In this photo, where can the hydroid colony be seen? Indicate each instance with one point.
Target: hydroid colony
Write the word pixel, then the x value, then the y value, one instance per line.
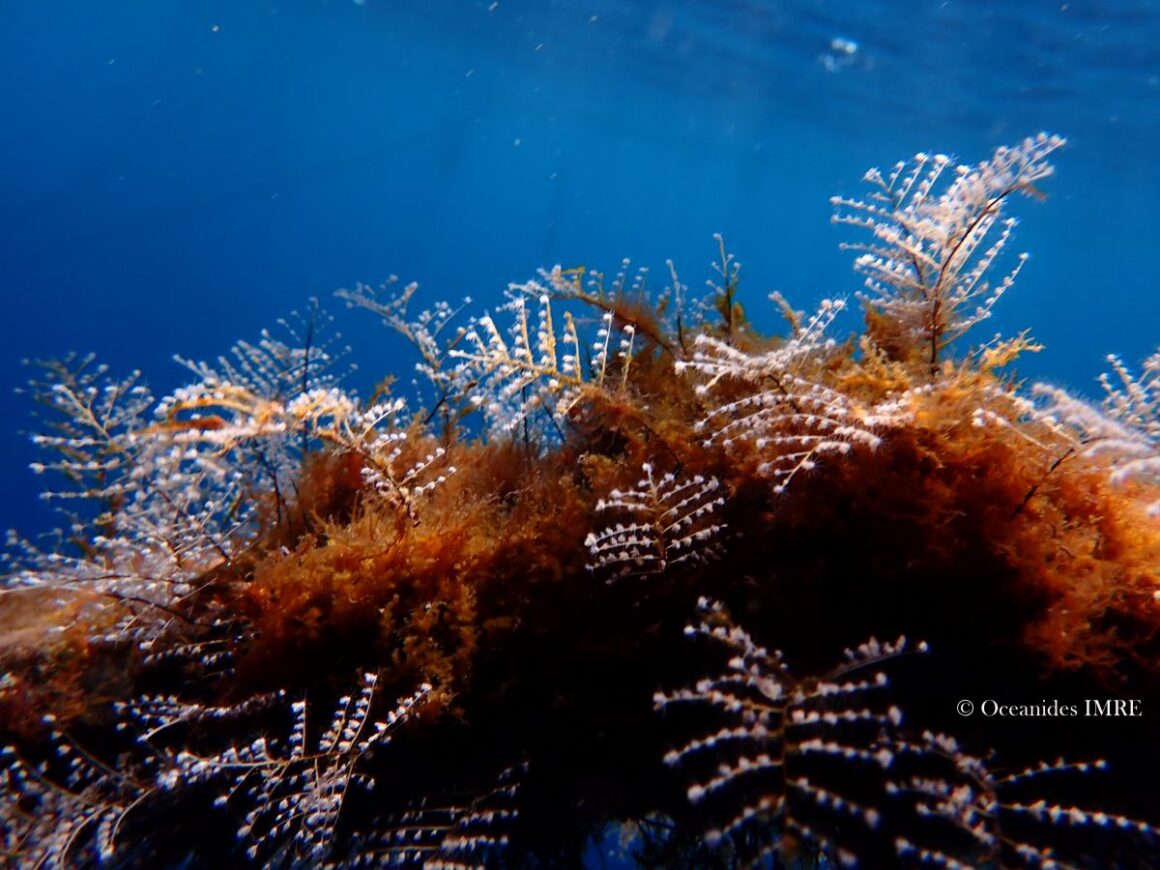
pixel 539 601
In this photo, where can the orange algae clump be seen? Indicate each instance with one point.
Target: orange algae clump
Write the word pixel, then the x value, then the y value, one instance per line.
pixel 479 602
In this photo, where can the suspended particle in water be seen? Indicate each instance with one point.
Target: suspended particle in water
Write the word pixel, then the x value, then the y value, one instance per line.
pixel 843 53
pixel 845 46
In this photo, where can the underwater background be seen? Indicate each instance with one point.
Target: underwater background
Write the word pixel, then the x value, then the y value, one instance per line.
pixel 178 175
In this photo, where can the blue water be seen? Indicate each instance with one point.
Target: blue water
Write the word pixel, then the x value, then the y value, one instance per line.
pixel 177 175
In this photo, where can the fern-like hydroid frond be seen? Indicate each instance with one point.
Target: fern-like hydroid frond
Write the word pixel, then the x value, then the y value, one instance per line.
pixel 536 368
pixel 306 358
pixel 761 768
pixel 291 797
pixel 778 405
pixel 802 352
pixel 160 503
pixel 1124 433
pixel 382 437
pixel 959 812
pixel 429 332
pixel 156 486
pixel 171 498
pixel 288 794
pixel 153 513
pixel 68 809
pixel 236 403
pixel 227 419
pixel 89 422
pixel 1135 401
pixel 929 267
pixel 779 758
pixel 472 833
pixel 664 521
pixel 540 366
